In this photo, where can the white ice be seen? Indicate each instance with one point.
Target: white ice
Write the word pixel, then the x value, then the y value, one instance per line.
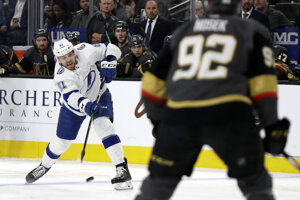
pixel 67 180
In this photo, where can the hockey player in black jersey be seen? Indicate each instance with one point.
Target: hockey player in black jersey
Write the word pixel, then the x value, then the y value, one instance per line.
pixel 39 59
pixel 202 90
pixel 9 63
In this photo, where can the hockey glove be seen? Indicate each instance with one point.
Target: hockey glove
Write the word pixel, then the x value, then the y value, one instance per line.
pixel 276 136
pixel 88 107
pixel 297 71
pixel 108 70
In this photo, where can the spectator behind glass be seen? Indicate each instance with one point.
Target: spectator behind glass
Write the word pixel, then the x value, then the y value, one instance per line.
pixel 81 17
pixel 100 28
pixel 9 63
pixel 248 12
pixel 154 28
pixel 121 34
pixel 130 9
pixel 138 61
pixel 48 4
pixel 162 5
pixel 39 59
pixel 16 22
pixel 73 5
pixel 3 26
pixel 60 17
pixel 119 11
pixel 276 17
pixel 199 10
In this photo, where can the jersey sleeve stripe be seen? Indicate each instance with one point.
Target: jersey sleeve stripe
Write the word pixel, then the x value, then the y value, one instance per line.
pixel 67 95
pixel 209 102
pixel 153 98
pixel 279 66
pixel 18 68
pixel 263 84
pixel 264 95
pixel 154 86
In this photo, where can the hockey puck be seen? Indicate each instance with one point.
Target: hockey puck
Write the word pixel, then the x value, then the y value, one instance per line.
pixel 89 179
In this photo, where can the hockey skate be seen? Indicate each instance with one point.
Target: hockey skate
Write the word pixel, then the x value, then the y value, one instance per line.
pixel 36 173
pixel 122 181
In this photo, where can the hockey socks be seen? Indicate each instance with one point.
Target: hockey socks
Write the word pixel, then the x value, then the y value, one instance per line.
pixel 114 149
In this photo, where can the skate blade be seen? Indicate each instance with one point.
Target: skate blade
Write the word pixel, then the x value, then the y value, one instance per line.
pixel 127 185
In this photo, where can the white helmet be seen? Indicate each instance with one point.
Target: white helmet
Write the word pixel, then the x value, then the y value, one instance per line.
pixel 62 47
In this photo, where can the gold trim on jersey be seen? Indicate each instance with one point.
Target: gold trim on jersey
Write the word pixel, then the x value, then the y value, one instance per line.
pixel 209 102
pixel 20 68
pixel 127 68
pixel 262 84
pixel 154 86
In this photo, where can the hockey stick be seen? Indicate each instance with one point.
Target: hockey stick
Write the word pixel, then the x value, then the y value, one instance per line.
pixel 92 116
pixel 291 160
pixel 90 122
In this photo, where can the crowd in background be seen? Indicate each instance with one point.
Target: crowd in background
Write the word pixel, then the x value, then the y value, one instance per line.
pixel 138 27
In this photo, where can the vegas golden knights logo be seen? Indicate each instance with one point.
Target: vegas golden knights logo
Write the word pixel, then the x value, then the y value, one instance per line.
pixel 41 69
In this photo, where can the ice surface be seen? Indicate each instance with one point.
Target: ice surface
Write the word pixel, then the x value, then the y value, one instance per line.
pixel 67 180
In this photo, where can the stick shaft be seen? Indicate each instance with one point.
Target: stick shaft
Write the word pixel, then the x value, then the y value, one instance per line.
pixel 291 160
pixel 86 138
pixel 89 126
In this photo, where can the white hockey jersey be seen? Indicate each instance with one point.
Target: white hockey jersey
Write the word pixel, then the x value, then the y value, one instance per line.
pixel 84 81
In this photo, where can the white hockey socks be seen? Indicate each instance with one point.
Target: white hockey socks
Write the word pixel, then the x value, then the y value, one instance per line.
pixel 53 151
pixel 114 149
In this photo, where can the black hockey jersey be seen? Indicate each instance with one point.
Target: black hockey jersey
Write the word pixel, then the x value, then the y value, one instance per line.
pixel 215 70
pixel 39 63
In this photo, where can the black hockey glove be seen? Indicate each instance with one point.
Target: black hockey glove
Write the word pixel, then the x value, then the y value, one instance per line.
pixel 297 71
pixel 276 136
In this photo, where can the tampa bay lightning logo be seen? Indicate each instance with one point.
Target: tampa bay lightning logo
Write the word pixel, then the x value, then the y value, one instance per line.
pixel 81 47
pixel 91 79
pixel 61 70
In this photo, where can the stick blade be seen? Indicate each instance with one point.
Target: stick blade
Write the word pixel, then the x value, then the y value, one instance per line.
pixel 291 160
pixel 82 155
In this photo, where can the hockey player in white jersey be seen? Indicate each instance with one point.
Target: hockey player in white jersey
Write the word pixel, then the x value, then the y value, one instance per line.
pixel 79 81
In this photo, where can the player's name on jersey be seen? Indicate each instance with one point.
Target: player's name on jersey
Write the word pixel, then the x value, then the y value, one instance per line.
pixel 210 25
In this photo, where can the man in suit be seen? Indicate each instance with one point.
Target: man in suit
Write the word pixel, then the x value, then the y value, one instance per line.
pixel 249 12
pixel 154 28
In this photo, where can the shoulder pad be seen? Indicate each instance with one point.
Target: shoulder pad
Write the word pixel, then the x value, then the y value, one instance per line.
pixel 80 47
pixel 97 45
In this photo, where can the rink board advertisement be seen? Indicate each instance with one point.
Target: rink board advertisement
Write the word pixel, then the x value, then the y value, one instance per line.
pixel 29 110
